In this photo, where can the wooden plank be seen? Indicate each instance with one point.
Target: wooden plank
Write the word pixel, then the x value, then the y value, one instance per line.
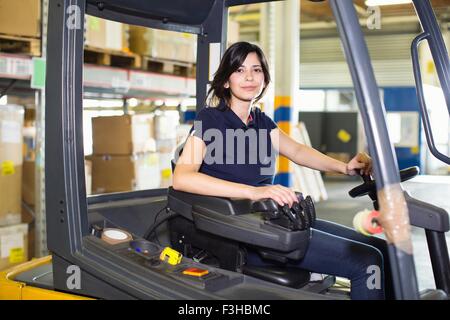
pixel 21 45
pixel 178 68
pixel 112 58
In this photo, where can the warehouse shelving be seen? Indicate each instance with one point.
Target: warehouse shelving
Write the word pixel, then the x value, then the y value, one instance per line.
pixel 105 79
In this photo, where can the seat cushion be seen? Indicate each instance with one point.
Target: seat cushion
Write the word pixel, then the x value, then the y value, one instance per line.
pixel 285 276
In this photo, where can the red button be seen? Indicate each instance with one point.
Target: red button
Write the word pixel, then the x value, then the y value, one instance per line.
pixel 196 272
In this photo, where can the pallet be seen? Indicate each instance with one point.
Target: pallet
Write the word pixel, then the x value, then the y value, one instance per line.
pixel 177 68
pixel 21 45
pixel 112 58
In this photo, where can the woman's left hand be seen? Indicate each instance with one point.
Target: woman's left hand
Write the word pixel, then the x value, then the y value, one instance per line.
pixel 361 163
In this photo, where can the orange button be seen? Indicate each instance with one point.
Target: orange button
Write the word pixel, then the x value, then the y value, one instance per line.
pixel 196 272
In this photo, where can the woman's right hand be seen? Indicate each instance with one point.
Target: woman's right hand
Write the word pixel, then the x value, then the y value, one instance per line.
pixel 282 195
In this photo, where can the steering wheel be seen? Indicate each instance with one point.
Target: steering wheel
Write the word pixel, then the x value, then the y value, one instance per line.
pixel 369 186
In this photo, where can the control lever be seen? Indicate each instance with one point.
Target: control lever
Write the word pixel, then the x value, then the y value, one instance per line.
pixel 269 207
pixel 309 210
pixel 297 209
pixel 301 216
pixel 298 220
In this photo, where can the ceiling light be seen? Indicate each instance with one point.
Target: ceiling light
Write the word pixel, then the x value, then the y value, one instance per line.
pixel 374 3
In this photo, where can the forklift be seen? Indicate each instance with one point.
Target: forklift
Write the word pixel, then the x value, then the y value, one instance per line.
pixel 83 265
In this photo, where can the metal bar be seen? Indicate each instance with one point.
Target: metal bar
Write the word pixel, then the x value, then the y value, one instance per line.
pixel 438 49
pixel 140 21
pixel 214 31
pixel 440 260
pixel 231 3
pixel 40 248
pixel 373 115
pixel 9 87
pixel 65 192
pixel 421 97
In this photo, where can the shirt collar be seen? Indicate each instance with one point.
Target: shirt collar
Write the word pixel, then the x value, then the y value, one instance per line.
pixel 234 120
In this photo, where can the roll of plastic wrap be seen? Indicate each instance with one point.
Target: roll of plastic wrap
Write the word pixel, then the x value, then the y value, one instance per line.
pixel 370 223
pixel 365 222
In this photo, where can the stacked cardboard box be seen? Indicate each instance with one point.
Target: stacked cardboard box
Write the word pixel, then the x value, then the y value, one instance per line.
pixel 28 183
pixel 11 125
pixel 106 34
pixel 20 18
pixel 13 234
pixel 125 172
pixel 124 156
pixel 162 44
pixel 13 245
pixel 166 124
pixel 88 176
pixel 29 152
pixel 28 203
pixel 28 215
pixel 233 32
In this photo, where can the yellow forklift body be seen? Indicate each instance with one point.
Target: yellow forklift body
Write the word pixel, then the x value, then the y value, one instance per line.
pixel 14 290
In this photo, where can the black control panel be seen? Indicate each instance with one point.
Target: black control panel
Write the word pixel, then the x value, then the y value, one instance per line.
pixel 147 254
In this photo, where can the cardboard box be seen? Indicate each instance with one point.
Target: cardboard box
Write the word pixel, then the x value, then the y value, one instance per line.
pixel 166 146
pixel 166 125
pixel 88 176
pixel 29 143
pixel 10 195
pixel 20 18
pixel 28 102
pixel 232 32
pixel 29 124
pixel 11 122
pixel 28 182
pixel 11 127
pixel 28 214
pixel 106 34
pixel 165 165
pixel 162 44
pixel 183 133
pixel 13 245
pixel 95 32
pixel 123 135
pixel 125 173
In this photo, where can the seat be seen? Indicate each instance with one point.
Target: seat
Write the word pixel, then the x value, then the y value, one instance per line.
pixel 218 231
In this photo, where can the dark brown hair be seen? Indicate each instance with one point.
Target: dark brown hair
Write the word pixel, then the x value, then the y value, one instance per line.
pixel 232 60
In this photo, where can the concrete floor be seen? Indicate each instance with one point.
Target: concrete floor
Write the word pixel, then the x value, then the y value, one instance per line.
pixel 340 208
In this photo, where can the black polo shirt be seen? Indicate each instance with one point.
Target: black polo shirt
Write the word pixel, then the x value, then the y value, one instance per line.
pixel 236 151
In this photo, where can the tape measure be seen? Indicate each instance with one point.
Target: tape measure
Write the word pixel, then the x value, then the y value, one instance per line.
pixel 170 256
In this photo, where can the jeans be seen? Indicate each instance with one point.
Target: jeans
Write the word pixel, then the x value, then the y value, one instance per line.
pixel 340 251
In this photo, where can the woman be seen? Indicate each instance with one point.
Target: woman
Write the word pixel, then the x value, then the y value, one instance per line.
pixel 229 154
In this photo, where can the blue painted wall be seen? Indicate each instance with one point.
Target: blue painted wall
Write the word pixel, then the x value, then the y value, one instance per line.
pixel 404 99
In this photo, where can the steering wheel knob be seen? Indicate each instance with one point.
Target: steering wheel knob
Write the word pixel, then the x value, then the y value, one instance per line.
pixel 369 185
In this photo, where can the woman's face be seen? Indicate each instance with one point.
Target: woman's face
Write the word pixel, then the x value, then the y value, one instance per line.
pixel 247 82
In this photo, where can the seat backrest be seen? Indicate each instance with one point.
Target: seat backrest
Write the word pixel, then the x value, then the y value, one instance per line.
pixel 176 155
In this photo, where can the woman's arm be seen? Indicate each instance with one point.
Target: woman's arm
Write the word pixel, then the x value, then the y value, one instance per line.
pixel 187 178
pixel 311 158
